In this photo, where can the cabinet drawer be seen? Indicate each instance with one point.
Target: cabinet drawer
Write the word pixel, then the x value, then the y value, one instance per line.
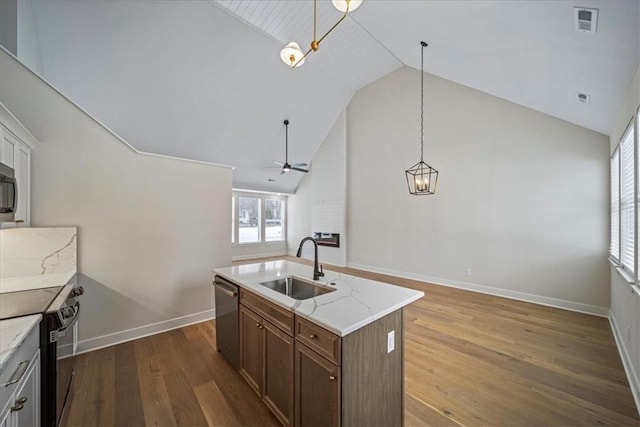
pixel 279 316
pixel 319 339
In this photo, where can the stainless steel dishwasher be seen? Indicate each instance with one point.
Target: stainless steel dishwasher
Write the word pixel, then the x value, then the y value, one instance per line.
pixel 227 331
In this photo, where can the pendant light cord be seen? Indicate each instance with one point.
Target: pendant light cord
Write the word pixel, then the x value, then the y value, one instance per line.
pixel 423 44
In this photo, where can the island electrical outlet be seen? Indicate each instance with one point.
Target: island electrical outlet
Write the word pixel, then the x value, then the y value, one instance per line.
pixel 391 341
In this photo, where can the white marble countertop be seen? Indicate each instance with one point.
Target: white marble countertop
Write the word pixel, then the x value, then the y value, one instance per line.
pixel 23 283
pixel 355 303
pixel 12 334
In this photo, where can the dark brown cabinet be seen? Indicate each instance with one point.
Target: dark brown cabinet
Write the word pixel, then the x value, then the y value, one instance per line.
pixel 317 385
pixel 277 387
pixel 266 362
pixel 251 348
pixel 309 376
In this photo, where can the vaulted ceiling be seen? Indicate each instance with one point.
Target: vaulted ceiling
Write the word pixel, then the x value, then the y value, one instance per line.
pixel 203 79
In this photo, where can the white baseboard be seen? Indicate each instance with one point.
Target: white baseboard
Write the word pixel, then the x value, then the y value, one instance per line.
pixel 108 340
pixel 632 375
pixel 65 351
pixel 254 256
pixel 506 293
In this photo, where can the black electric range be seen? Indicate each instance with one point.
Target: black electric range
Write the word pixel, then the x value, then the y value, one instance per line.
pixel 60 310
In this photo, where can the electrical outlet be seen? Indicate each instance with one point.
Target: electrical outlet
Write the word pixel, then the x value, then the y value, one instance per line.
pixel 467 272
pixel 391 341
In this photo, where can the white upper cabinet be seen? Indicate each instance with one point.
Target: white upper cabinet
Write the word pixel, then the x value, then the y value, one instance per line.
pixel 16 143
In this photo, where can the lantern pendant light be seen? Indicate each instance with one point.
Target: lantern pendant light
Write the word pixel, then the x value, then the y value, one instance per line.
pixel 422 178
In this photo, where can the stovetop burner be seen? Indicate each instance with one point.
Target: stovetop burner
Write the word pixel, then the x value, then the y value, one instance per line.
pixel 23 303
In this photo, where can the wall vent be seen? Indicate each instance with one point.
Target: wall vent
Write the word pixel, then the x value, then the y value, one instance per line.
pixel 585 98
pixel 585 20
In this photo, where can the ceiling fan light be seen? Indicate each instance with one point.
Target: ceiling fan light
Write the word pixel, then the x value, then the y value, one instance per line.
pixel 291 54
pixel 341 5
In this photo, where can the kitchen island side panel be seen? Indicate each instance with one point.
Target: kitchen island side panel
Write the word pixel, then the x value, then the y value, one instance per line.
pixel 372 377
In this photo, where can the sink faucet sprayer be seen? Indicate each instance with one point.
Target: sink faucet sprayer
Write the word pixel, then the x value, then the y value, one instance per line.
pixel 316 273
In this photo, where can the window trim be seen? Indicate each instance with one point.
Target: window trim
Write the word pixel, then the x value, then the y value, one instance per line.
pixel 628 274
pixel 616 260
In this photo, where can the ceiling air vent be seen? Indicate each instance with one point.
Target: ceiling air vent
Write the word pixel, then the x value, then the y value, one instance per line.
pixel 585 20
pixel 585 98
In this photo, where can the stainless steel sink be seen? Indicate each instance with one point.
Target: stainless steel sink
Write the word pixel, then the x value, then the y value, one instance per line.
pixel 296 288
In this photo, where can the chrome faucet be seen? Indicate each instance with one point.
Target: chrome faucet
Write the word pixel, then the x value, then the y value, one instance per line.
pixel 317 273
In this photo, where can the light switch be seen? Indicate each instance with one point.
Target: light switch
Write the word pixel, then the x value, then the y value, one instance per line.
pixel 391 341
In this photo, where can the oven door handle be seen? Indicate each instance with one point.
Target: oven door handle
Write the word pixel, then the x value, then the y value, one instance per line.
pixel 63 331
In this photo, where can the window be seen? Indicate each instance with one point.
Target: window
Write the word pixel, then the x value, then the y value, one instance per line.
pixel 624 203
pixel 627 201
pixel 248 219
pixel 258 218
pixel 274 220
pixel 614 249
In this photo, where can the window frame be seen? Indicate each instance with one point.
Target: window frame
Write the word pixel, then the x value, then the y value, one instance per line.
pixel 629 271
pixel 615 259
pixel 236 195
pixel 629 275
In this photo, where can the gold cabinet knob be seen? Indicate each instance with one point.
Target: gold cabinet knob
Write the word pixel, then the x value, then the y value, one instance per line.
pixel 313 336
pixel 257 325
pixel 332 378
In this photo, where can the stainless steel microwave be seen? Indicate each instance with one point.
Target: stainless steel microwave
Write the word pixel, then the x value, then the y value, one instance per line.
pixel 8 194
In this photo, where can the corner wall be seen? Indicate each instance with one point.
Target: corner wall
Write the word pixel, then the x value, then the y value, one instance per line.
pixel 521 208
pixel 320 201
pixel 150 228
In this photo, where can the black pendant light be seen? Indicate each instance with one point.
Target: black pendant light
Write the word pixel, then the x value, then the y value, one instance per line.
pixel 422 178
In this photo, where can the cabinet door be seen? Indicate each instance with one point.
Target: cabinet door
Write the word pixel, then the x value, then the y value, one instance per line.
pixel 22 166
pixel 28 394
pixel 17 155
pixel 6 417
pixel 277 389
pixel 251 348
pixel 317 385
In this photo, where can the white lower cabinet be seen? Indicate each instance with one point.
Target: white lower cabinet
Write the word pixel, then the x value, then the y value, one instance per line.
pixel 20 386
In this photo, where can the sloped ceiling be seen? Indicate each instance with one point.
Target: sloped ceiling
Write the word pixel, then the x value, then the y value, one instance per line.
pixel 203 80
pixel 186 79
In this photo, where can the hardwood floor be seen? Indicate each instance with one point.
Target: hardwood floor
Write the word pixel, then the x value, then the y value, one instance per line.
pixel 471 359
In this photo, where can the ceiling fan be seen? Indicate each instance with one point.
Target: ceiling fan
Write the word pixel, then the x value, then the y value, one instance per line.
pixel 286 167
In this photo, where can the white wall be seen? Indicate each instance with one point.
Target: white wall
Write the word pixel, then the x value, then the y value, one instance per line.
pixel 9 25
pixel 625 304
pixel 299 214
pixel 329 191
pixel 28 42
pixel 522 198
pixel 319 204
pixel 150 229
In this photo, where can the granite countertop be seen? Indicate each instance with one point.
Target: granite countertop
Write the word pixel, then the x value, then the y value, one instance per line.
pixel 356 302
pixel 23 283
pixel 12 334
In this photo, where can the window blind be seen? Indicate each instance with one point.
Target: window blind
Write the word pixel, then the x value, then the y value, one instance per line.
pixel 614 249
pixel 627 201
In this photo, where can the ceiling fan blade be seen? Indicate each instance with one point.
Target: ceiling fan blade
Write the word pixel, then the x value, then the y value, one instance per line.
pixel 282 172
pixel 299 170
pixel 278 163
pixel 271 167
pixel 299 165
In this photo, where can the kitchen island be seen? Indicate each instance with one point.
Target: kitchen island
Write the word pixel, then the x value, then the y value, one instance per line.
pixel 332 359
